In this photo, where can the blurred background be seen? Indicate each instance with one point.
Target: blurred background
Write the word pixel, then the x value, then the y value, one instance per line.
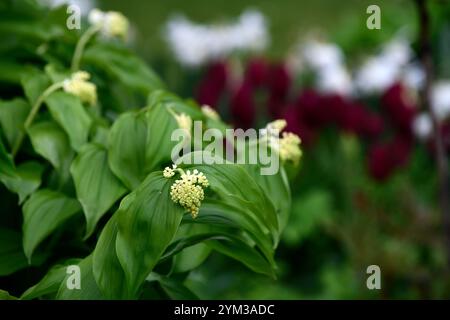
pixel 367 190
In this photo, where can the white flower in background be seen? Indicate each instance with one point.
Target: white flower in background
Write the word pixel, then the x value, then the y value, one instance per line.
pixel 440 99
pixel 79 86
pixel 413 76
pixel 196 44
pixel 84 5
pixel 210 112
pixel 335 79
pixel 112 23
pixel 327 61
pixel 380 72
pixel 422 126
pixel 319 55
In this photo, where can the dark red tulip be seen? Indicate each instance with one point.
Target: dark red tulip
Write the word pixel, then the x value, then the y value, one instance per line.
pixel 380 164
pixel 242 107
pixel 213 84
pixel 279 81
pixel 257 72
pixel 400 109
pixel 384 158
pixel 311 107
pixel 297 125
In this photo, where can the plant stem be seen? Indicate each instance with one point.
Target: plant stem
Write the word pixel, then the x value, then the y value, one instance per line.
pixel 81 45
pixel 32 115
pixel 441 158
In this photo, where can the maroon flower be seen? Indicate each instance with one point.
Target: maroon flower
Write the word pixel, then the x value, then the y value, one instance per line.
pixel 242 107
pixel 384 158
pixel 400 109
pixel 311 108
pixel 257 72
pixel 213 84
pixel 279 80
pixel 297 125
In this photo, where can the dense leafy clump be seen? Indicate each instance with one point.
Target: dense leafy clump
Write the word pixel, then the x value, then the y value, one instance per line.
pixel 81 180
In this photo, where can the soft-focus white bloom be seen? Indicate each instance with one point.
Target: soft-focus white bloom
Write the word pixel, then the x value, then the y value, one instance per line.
pixel 327 61
pixel 413 76
pixel 422 126
pixel 112 23
pixel 195 44
pixel 376 75
pixel 397 51
pixel 381 71
pixel 440 99
pixel 335 79
pixel 318 55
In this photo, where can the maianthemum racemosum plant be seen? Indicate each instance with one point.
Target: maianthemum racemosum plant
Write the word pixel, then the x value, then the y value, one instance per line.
pixel 81 180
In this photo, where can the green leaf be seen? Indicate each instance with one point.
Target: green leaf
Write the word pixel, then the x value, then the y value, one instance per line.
pixel 12 117
pixel 43 213
pixel 96 186
pixel 108 272
pixel 52 143
pixel 70 114
pixel 127 141
pixel 34 84
pixel 227 181
pixel 122 65
pixel 12 258
pixel 7 169
pixel 277 186
pixel 50 283
pixel 26 180
pixel 148 220
pixel 241 251
pixel 160 125
pixel 89 289
pixel 4 295
pixel 176 289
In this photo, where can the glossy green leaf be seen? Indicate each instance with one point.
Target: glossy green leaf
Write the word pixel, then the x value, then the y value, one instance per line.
pixel 4 295
pixel 70 114
pixel 96 186
pixel 241 251
pixel 51 142
pixel 89 289
pixel 7 169
pixel 277 186
pixel 127 141
pixel 108 272
pixel 43 213
pixel 34 84
pixel 160 125
pixel 50 283
pixel 120 64
pixel 12 117
pixel 148 220
pixel 26 180
pixel 12 258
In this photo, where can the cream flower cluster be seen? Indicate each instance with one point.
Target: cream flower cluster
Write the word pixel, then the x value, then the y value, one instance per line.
pixel 112 23
pixel 184 121
pixel 288 146
pixel 188 190
pixel 210 112
pixel 79 86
